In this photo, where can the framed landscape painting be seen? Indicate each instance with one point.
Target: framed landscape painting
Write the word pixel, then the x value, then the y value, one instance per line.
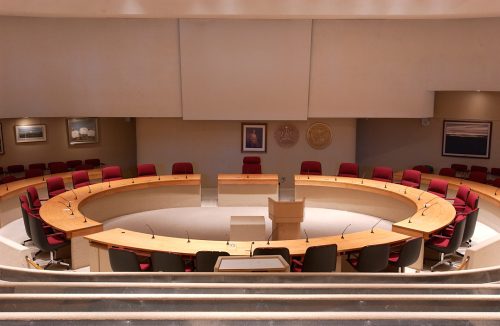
pixel 467 138
pixel 253 137
pixel 30 133
pixel 83 131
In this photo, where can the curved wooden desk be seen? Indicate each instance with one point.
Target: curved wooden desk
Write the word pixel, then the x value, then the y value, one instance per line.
pixel 9 203
pixel 90 206
pixel 246 189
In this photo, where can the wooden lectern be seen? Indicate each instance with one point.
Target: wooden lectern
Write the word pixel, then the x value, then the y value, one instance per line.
pixel 286 217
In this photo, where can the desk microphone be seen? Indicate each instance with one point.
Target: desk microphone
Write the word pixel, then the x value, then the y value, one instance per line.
pixel 307 237
pixel 251 246
pixel 227 241
pixel 74 193
pixel 427 209
pixel 68 202
pixel 427 204
pixel 272 232
pixel 6 187
pixel 385 186
pixel 189 240
pixel 109 184
pixel 84 219
pixel 159 178
pixel 405 190
pixel 363 178
pixel 376 225
pixel 496 191
pixel 133 180
pixel 419 196
pixel 152 232
pixel 342 237
pixel 90 190
pixel 71 211
pixel 335 179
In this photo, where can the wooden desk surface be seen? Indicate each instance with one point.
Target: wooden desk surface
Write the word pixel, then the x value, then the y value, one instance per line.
pixel 143 242
pixel 439 213
pixel 18 186
pixel 232 179
pixel 55 213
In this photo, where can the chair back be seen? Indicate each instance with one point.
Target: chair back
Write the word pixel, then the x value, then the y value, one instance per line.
pixel 40 166
pixel 57 167
pixel 472 201
pixel 448 172
pixel 478 176
pixel 94 162
pixel 310 168
pixel 411 178
pixel 33 173
pixel 111 173
pixel 320 259
pixel 251 165
pixel 438 187
pixel 73 163
pixel 459 167
pixel 80 179
pixel 282 251
pixel 55 186
pixel 23 201
pixel 470 225
pixel 167 262
pixel 349 170
pixel 146 170
pixel 38 234
pixel 383 173
pixel 17 168
pixel 205 260
pixel 409 253
pixel 83 167
pixel 496 183
pixel 182 168
pixel 462 195
pixel 478 168
pixel 457 236
pixel 495 171
pixel 123 260
pixel 33 198
pixel 423 168
pixel 373 258
pixel 8 178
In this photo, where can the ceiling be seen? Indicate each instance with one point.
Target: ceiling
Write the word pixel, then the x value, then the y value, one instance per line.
pixel 256 9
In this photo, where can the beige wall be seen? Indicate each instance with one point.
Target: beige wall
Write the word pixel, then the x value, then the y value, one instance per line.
pixel 404 143
pixel 117 144
pixel 214 147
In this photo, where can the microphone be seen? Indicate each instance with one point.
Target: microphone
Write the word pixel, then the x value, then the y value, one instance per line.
pixel 71 211
pixel 74 193
pixel 342 237
pixel 6 187
pixel 363 178
pixel 376 225
pixel 133 180
pixel 152 232
pixel 227 241
pixel 68 202
pixel 189 240
pixel 109 184
pixel 385 186
pixel 272 232
pixel 427 209
pixel 405 190
pixel 307 237
pixel 251 246
pixel 158 178
pixel 90 190
pixel 496 191
pixel 308 174
pixel 421 195
pixel 427 204
pixel 335 179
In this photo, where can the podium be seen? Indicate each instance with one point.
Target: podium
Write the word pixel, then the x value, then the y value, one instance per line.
pixel 286 218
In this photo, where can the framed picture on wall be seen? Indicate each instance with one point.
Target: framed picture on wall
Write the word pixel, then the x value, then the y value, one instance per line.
pixel 83 131
pixel 467 138
pixel 253 137
pixel 1 140
pixel 30 133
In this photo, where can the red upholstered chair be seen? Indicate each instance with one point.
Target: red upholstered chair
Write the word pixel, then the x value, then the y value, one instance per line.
pixel 251 165
pixel 33 198
pixel 447 246
pixel 310 168
pixel 40 166
pixel 94 162
pixel 478 176
pixel 448 172
pixel 18 168
pixel 57 167
pixel 146 170
pixel 438 187
pixel 461 169
pixel 383 173
pixel 471 204
pixel 423 168
pixel 8 179
pixel 495 172
pixel 182 168
pixel 349 170
pixel 411 178
pixel 461 196
pixel 406 254
pixel 82 167
pixel 80 179
pixel 32 173
pixel 73 163
pixel 479 168
pixel 55 186
pixel 111 173
pixel 496 183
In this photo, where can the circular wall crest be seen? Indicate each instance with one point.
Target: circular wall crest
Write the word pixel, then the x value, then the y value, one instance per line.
pixel 287 135
pixel 319 135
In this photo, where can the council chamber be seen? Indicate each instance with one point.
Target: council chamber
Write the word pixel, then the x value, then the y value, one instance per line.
pixel 233 162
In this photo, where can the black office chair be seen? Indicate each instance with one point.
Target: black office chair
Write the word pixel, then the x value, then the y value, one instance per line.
pixel 23 201
pixel 282 251
pixel 205 260
pixel 318 259
pixel 46 242
pixel 470 226
pixel 126 261
pixel 371 258
pixel 407 254
pixel 167 262
pixel 447 246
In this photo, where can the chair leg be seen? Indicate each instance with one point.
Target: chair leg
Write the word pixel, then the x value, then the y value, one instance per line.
pixel 56 262
pixel 440 262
